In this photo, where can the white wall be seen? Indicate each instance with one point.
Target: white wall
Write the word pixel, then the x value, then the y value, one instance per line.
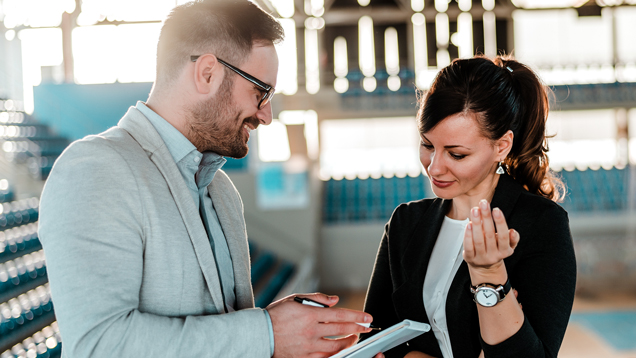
pixel 347 255
pixel 291 234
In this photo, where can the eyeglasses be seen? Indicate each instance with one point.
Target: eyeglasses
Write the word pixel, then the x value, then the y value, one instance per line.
pixel 268 91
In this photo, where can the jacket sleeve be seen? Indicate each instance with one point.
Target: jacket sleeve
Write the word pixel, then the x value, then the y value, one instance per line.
pixel 545 278
pixel 379 301
pixel 92 226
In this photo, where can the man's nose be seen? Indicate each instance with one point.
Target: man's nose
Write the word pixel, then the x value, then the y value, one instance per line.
pixel 264 114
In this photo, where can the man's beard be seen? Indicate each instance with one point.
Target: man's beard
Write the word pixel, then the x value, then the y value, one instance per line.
pixel 215 125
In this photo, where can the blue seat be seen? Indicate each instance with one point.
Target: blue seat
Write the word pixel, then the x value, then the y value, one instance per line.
pixel 274 285
pixel 261 266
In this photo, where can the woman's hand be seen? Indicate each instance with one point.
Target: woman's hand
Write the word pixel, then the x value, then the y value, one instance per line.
pixel 487 244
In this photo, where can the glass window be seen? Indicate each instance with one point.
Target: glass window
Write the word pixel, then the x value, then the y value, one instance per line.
pixel 369 147
pixel 124 10
pixel 107 53
pixel 545 38
pixel 583 139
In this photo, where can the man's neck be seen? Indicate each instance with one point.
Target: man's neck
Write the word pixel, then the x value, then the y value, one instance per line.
pixel 172 113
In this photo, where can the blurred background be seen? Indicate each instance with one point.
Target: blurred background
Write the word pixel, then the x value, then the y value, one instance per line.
pixel 320 182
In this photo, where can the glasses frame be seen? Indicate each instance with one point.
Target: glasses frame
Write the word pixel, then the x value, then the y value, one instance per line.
pixel 267 89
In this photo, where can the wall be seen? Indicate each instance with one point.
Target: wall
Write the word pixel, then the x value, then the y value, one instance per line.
pixel 347 255
pixel 75 111
pixel 291 234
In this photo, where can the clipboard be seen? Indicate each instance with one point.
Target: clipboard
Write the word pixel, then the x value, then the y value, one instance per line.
pixel 385 340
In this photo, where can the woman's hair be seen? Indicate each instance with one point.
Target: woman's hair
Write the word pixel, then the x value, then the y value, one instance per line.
pixel 504 95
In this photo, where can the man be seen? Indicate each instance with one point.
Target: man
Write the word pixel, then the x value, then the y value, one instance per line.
pixel 144 234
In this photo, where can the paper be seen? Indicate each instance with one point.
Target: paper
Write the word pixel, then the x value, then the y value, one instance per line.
pixel 385 340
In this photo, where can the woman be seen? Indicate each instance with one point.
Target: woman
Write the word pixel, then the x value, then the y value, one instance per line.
pixel 451 261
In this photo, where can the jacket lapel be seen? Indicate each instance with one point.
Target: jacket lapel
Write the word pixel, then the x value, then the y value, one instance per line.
pixel 230 213
pixel 135 123
pixel 408 298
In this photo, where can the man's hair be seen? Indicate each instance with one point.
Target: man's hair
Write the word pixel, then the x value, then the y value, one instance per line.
pixel 226 28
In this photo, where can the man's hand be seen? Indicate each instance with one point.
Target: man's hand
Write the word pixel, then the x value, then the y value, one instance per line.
pixel 299 330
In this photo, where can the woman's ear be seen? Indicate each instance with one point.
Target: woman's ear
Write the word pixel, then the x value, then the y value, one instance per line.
pixel 504 145
pixel 208 73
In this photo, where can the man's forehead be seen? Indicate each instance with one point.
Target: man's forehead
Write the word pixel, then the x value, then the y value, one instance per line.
pixel 262 63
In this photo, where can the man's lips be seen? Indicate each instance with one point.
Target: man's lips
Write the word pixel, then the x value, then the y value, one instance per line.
pixel 249 126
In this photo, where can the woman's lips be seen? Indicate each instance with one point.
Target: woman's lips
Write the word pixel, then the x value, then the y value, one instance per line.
pixel 441 184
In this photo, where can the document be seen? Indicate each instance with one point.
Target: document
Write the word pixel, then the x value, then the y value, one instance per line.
pixel 385 340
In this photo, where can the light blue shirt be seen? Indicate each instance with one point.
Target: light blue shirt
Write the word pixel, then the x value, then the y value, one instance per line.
pixel 198 170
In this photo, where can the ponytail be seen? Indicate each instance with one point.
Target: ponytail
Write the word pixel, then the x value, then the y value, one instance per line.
pixel 528 162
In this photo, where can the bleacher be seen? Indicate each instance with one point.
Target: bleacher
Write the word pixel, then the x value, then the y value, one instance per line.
pixel 269 275
pixel 27 321
pixel 25 141
pixel 370 199
pixel 359 200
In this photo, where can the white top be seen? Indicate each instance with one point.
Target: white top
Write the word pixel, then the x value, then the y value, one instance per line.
pixel 442 267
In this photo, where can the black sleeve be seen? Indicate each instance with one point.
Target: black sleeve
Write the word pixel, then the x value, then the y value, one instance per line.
pixel 379 301
pixel 545 278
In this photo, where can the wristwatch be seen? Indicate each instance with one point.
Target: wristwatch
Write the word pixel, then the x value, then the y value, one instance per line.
pixel 488 294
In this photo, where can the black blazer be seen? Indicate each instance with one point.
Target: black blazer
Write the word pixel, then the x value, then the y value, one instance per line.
pixel 542 269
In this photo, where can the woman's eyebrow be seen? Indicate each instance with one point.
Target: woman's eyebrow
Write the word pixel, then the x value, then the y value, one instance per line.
pixel 448 146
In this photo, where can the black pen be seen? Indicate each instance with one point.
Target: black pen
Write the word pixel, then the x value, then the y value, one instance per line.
pixel 309 302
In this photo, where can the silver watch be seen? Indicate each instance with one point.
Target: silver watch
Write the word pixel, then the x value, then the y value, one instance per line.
pixel 488 294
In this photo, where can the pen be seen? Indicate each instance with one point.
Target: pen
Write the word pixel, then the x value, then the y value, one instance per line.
pixel 308 302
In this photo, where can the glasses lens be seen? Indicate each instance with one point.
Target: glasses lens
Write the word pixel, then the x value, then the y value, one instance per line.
pixel 266 98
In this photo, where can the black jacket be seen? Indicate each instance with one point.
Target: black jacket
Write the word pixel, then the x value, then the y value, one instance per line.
pixel 542 269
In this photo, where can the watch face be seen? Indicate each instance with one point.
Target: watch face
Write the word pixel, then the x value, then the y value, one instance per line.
pixel 486 296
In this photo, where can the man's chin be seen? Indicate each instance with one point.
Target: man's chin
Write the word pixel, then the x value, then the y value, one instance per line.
pixel 236 154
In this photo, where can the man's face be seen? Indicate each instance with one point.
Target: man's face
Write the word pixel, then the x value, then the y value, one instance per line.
pixel 222 124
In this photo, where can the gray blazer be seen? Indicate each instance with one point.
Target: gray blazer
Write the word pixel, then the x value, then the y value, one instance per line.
pixel 130 265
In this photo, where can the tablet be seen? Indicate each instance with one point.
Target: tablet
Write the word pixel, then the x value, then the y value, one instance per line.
pixel 385 340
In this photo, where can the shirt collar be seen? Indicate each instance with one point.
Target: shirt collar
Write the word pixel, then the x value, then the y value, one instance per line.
pixel 204 164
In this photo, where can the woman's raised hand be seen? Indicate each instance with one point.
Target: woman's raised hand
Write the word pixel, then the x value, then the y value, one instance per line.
pixel 488 240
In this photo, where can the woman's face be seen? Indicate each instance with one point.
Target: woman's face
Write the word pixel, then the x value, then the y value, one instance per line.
pixel 458 159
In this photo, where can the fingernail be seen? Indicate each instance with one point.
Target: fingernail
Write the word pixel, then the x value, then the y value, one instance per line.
pixel 483 204
pixel 368 318
pixel 332 298
pixel 469 226
pixel 496 212
pixel 475 212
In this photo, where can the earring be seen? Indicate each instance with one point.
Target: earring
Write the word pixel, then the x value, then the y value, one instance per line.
pixel 500 169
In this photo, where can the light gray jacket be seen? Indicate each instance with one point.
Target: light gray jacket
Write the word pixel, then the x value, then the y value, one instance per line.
pixel 130 265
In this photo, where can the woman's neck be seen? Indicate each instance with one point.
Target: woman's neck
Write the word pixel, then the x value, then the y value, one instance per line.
pixel 461 205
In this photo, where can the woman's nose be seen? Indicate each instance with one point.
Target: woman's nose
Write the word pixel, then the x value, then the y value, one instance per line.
pixel 436 165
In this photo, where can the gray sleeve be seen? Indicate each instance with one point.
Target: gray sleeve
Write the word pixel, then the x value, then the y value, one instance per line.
pixel 92 229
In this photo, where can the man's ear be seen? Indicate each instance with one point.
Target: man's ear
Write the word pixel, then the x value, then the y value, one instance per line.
pixel 208 74
pixel 504 145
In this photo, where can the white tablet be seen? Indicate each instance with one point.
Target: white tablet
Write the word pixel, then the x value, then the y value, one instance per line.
pixel 385 340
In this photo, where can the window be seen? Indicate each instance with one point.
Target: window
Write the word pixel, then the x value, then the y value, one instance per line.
pixel 369 147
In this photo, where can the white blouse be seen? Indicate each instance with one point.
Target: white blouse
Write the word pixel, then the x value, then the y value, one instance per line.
pixel 442 267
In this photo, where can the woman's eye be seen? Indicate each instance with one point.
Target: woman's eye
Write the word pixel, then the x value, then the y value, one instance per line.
pixel 427 146
pixel 457 156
